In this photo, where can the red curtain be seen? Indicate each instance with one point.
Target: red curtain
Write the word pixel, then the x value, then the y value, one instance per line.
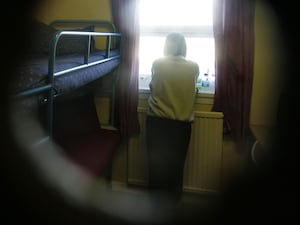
pixel 126 19
pixel 234 54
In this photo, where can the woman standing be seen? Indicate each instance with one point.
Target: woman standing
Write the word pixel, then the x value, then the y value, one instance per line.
pixel 169 117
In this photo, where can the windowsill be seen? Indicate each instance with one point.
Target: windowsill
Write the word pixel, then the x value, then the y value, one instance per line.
pixel 144 90
pixel 203 102
pixel 203 97
pixel 202 93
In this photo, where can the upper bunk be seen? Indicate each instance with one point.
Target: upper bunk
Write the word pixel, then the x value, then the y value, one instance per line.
pixel 66 55
pixel 62 57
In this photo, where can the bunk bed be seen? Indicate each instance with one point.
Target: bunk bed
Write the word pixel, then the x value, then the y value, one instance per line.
pixel 62 58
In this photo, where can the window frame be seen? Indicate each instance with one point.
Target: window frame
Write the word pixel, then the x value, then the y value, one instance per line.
pixel 192 31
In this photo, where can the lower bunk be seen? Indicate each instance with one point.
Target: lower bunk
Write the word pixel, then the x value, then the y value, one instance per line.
pixel 76 128
pixel 77 135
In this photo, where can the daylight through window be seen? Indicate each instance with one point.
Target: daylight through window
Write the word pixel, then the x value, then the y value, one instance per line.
pixel 191 17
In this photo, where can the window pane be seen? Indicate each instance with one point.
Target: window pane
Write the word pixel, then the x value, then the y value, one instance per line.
pixel 200 50
pixel 175 12
pixel 151 48
pixel 191 17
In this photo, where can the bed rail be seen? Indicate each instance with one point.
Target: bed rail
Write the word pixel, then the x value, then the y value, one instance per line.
pixel 86 63
pixel 48 88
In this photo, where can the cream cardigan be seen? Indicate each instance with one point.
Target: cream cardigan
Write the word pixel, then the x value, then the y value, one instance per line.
pixel 173 88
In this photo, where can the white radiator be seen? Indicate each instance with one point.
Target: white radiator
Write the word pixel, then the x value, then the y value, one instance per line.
pixel 203 165
pixel 137 155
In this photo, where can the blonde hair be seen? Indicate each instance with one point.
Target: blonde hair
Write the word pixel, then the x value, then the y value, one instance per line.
pixel 175 45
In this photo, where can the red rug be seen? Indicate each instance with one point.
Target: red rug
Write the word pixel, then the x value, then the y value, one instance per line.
pixel 92 152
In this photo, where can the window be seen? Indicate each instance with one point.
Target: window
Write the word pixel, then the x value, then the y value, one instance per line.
pixel 191 17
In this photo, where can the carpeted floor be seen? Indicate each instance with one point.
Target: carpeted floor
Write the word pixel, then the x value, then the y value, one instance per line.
pixel 191 205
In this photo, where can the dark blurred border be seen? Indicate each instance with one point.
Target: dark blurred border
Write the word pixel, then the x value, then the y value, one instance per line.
pixel 268 196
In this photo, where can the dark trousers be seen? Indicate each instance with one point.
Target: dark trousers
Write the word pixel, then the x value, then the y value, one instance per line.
pixel 167 143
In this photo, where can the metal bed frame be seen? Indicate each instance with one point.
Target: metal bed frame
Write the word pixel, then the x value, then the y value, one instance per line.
pixel 48 88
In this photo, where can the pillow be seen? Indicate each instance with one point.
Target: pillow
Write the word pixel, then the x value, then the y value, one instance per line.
pixel 40 38
pixel 75 44
pixel 42 34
